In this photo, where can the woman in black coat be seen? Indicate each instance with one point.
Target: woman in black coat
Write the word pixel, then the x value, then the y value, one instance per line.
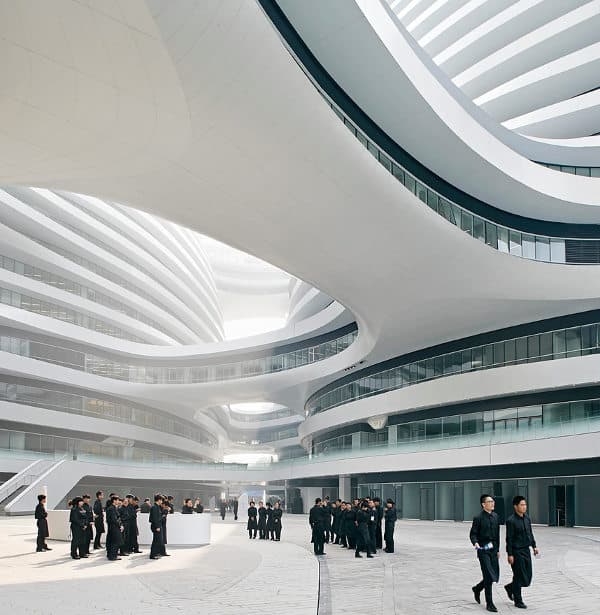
pixel 276 516
pixel 252 523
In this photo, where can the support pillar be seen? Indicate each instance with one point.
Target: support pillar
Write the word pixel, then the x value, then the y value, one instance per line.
pixel 345 487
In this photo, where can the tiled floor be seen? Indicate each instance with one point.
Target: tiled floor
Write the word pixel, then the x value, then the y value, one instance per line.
pixel 430 573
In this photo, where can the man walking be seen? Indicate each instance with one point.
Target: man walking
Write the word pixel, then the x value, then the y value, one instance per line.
pixel 485 537
pixel 519 540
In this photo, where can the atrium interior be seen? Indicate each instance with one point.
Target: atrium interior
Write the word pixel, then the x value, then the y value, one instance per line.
pixel 275 250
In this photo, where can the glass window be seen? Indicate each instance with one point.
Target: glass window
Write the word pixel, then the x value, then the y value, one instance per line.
pixel 491 235
pixel 373 150
pixel 559 345
pixel 466 222
pixel 429 368
pixel 515 243
pixel 542 249
pixel 510 351
pixel 438 366
pixel 446 211
pixel 533 347
pixel 545 345
pixel 528 242
pixel 410 183
pixel 385 161
pixel 499 353
pixel 398 172
pixel 361 138
pixel 422 192
pixel 472 423
pixel 588 336
pixel 573 337
pixel 421 370
pixel 451 426
pixel 477 357
pixel 466 360
pixel 556 413
pixel 595 172
pixel 488 355
pixel 502 239
pixel 433 428
pixel 432 201
pixel 521 348
pixel 478 228
pixel 557 251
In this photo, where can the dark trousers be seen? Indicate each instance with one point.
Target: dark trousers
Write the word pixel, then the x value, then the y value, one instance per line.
pixel 362 540
pixel 157 546
pixel 488 561
pixel 111 547
pixel 99 531
pixel 278 532
pixel 41 540
pixel 88 536
pixel 351 535
pixel 77 542
pixel 378 536
pixel 522 573
pixel 343 540
pixel 389 538
pixel 328 534
pixel 318 541
pixel 252 533
pixel 372 538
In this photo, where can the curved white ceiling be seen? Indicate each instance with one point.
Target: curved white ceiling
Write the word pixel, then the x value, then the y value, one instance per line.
pixel 529 63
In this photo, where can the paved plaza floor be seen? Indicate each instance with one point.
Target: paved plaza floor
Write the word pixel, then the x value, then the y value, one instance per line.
pixel 430 573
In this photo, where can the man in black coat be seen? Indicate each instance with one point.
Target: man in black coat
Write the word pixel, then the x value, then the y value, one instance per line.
pixel 145 506
pixel 519 541
pixel 98 519
pixel 235 509
pixel 351 527
pixel 379 520
pixel 316 519
pixel 276 515
pixel 89 532
pixel 485 537
pixel 114 536
pixel 166 511
pixel 223 509
pixel 363 539
pixel 326 505
pixel 391 516
pixel 125 511
pixel 78 521
pixel 133 546
pixel 252 525
pixel 372 526
pixel 41 517
pixel 155 518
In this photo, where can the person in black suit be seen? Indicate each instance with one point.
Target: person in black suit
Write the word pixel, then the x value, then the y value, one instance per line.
pixel 326 506
pixel 519 541
pixel 133 545
pixel 98 519
pixel 372 525
pixel 236 505
pixel 187 508
pixel 114 536
pixel 155 518
pixel 262 521
pixel 270 527
pixel 223 509
pixel 317 521
pixel 78 521
pixel 41 517
pixel 276 515
pixel 252 521
pixel 485 537
pixel 89 532
pixel 363 537
pixel 378 532
pixel 166 511
pixel 145 506
pixel 391 516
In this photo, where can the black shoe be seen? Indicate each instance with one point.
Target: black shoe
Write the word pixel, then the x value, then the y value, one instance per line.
pixel 508 589
pixel 370 556
pixel 477 594
pixel 39 550
pixel 491 608
pixel 47 548
pixel 520 605
pixel 154 557
pixel 75 556
pixel 86 555
pixel 358 555
pixel 165 555
pixel 138 551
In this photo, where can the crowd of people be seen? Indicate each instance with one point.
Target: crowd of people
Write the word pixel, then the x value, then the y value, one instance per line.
pixel 118 519
pixel 353 525
pixel 266 520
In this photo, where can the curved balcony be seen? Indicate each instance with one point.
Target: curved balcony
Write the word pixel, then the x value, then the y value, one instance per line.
pixel 567 244
pixel 302 354
pixel 541 343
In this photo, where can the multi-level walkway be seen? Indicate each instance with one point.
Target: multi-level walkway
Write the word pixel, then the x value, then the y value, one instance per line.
pixel 430 573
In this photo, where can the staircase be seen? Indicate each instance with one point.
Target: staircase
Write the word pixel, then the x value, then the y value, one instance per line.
pixel 16 485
